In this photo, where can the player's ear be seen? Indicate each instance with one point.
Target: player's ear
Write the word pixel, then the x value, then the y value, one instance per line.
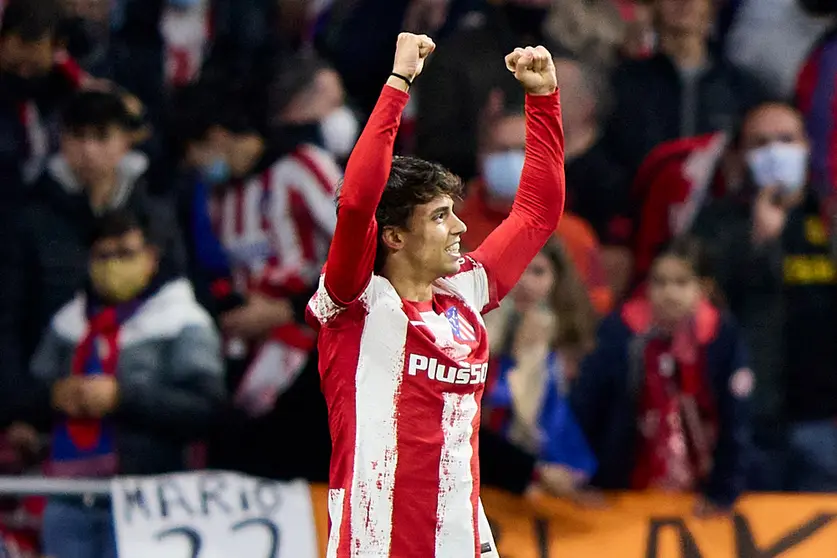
pixel 393 238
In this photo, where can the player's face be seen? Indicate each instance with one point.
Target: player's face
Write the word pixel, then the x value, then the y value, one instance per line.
pixel 674 290
pixel 432 241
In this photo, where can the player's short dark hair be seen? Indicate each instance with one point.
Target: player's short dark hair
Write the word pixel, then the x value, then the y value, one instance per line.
pixel 31 20
pixel 96 110
pixel 412 182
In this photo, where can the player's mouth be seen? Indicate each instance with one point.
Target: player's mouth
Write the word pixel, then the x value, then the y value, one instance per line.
pixel 453 249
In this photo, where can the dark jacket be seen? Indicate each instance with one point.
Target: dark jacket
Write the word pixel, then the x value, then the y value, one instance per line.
pixel 649 110
pixel 605 399
pixel 169 370
pixel 784 294
pixel 43 262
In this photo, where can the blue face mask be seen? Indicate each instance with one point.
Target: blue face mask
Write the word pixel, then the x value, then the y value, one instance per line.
pixel 501 173
pixel 216 172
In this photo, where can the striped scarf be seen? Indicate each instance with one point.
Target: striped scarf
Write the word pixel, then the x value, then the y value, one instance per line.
pixel 85 446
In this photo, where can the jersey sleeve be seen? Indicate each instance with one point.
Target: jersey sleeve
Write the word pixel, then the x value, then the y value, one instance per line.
pixel 538 205
pixel 351 257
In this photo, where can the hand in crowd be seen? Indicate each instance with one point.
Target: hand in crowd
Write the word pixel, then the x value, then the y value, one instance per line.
pixel 78 397
pixel 99 396
pixel 769 216
pixel 24 438
pixel 562 482
pixel 534 334
pixel 256 318
pixel 534 68
pixel 66 396
pixel 705 509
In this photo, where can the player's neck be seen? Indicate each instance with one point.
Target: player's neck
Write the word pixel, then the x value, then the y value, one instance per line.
pixel 408 283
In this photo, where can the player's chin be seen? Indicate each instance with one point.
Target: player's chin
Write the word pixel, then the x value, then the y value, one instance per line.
pixel 451 266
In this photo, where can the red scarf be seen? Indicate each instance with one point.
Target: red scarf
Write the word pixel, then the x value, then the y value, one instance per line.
pixel 85 446
pixel 101 337
pixel 677 416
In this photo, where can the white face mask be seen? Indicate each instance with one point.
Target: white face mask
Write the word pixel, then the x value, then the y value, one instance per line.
pixel 501 173
pixel 340 131
pixel 784 165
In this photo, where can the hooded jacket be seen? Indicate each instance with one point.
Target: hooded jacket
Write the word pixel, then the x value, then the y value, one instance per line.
pixel 43 261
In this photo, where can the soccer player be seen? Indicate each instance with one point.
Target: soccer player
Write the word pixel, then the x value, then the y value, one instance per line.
pixel 403 347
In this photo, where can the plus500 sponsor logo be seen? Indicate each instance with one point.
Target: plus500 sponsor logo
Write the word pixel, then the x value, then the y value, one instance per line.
pixel 474 374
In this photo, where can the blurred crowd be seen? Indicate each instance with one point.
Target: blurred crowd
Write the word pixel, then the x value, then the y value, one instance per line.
pixel 168 171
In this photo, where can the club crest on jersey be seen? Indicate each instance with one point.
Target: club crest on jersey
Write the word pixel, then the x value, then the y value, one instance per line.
pixel 462 330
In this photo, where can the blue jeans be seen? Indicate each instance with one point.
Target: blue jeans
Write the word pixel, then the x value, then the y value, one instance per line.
pixel 73 530
pixel 812 456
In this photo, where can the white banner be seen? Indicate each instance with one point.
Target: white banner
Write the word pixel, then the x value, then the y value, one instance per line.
pixel 212 514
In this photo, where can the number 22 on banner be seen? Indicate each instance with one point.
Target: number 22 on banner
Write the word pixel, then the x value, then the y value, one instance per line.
pixel 209 515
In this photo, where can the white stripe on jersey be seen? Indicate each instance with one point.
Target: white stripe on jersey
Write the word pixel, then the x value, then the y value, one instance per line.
pixel 455 512
pixel 377 384
pixel 335 514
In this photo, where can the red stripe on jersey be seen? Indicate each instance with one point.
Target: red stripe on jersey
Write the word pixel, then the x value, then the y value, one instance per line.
pixel 419 429
pixel 341 414
pixel 305 226
pixel 311 166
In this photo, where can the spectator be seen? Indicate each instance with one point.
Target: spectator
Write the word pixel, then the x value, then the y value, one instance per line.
pixel 776 272
pixel 366 29
pixel 679 177
pixel 770 39
pixel 35 77
pixel 489 199
pixel 43 263
pixel 132 369
pixel 275 246
pixel 538 337
pixel 597 187
pixel 308 105
pixel 814 92
pixel 464 71
pixel 664 398
pixel 594 31
pixel 682 91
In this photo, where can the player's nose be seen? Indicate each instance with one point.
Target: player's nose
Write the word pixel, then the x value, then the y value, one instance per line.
pixel 458 227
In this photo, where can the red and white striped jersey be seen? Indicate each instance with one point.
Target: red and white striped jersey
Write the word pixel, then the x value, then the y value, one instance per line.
pixel 403 382
pixel 276 226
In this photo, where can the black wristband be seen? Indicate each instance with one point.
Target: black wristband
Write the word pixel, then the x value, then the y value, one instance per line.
pixel 406 79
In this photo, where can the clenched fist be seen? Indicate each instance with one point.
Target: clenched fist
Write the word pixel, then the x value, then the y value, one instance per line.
pixel 534 69
pixel 410 53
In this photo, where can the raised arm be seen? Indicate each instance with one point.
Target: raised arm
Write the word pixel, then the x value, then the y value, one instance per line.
pixel 351 257
pixel 540 198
